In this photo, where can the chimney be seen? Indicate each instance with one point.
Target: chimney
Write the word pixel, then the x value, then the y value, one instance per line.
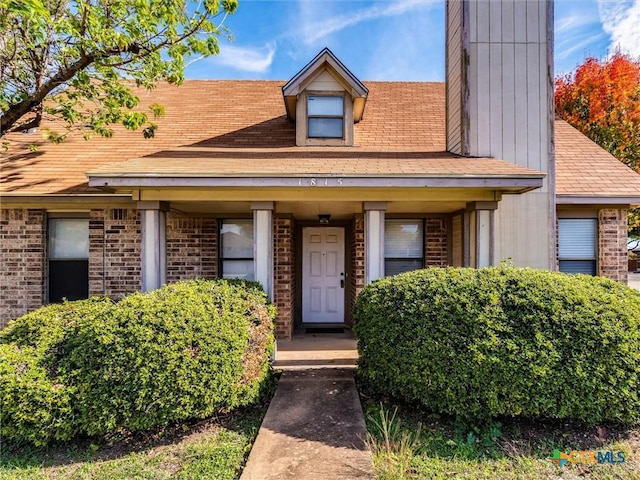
pixel 499 69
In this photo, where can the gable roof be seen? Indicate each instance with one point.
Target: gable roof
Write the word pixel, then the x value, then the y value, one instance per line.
pixel 325 61
pixel 584 169
pixel 239 128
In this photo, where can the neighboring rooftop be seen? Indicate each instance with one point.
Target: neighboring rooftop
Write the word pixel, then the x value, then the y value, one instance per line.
pixel 218 127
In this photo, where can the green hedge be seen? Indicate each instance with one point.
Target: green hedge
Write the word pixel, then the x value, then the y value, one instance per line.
pixel 187 350
pixel 503 342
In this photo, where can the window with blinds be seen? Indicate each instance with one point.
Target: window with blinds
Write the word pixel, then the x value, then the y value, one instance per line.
pixel 403 246
pixel 577 247
pixel 236 249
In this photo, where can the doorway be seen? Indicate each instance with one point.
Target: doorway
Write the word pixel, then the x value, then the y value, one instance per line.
pixel 323 275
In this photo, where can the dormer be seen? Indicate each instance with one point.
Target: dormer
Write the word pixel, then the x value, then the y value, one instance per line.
pixel 325 100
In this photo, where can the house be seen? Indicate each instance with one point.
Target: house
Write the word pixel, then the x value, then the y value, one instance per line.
pixel 317 185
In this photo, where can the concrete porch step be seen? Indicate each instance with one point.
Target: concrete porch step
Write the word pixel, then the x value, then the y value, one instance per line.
pixel 317 350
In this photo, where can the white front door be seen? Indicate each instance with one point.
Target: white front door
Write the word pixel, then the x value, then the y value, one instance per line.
pixel 323 279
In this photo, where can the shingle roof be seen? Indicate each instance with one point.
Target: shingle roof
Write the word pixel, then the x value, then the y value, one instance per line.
pixel 585 169
pixel 239 126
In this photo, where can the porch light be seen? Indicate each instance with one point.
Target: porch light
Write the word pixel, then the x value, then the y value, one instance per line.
pixel 324 218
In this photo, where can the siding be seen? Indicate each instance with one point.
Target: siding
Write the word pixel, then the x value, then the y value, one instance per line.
pixel 454 77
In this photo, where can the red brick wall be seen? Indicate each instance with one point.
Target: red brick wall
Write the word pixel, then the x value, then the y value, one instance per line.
pixel 114 252
pixel 357 257
pixel 284 292
pixel 192 245
pixel 612 244
pixel 436 242
pixel 22 252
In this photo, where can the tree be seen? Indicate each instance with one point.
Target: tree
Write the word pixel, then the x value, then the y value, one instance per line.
pixel 68 58
pixel 602 100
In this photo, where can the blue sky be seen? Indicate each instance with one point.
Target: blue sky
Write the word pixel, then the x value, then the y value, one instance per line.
pixel 392 39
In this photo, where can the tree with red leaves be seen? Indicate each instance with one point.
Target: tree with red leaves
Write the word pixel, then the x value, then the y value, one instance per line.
pixel 602 100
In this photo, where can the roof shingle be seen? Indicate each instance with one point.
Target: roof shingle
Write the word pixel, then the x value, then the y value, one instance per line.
pixel 239 126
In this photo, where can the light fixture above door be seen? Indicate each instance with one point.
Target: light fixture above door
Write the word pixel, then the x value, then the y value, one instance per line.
pixel 324 218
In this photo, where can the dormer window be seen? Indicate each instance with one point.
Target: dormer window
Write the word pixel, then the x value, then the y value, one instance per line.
pixel 325 116
pixel 325 100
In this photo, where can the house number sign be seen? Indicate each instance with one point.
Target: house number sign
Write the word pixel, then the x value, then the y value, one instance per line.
pixel 320 182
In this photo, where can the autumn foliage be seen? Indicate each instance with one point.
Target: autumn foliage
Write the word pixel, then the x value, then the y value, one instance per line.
pixel 602 100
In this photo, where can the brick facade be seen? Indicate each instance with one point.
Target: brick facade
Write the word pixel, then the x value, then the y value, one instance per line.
pixel 436 242
pixel 192 246
pixel 23 274
pixel 612 244
pixel 114 252
pixel 284 285
pixel 357 258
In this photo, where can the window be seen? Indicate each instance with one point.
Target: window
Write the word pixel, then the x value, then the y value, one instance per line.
pixel 236 249
pixel 325 116
pixel 577 245
pixel 403 246
pixel 68 249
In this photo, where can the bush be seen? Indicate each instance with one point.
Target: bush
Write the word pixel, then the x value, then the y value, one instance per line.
pixel 503 342
pixel 187 350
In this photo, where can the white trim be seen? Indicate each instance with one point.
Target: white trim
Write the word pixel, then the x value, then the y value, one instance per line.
pixel 153 249
pixel 374 241
pixel 596 200
pixel 484 234
pixel 263 245
pixel 518 184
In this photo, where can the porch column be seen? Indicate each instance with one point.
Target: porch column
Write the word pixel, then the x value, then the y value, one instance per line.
pixel 481 225
pixel 373 240
pixel 154 248
pixel 263 245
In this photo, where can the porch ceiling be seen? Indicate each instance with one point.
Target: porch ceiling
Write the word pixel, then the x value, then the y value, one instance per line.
pixel 343 210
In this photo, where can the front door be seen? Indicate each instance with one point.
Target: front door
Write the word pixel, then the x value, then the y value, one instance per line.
pixel 323 279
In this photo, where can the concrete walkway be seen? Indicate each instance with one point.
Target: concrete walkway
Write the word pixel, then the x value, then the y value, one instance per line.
pixel 313 430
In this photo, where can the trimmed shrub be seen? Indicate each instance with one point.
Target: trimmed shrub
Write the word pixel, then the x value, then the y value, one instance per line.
pixel 503 342
pixel 36 403
pixel 187 350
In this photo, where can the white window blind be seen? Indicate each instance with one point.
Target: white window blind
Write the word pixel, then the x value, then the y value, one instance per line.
pixel 68 238
pixel 403 246
pixel 236 249
pixel 577 247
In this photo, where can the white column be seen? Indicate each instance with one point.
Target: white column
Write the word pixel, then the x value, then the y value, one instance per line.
pixel 154 248
pixel 482 227
pixel 374 240
pixel 263 245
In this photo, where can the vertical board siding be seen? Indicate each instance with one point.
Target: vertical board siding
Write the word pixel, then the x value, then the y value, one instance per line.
pixel 533 21
pixel 454 77
pixel 496 108
pixel 508 82
pixel 508 22
pixel 508 104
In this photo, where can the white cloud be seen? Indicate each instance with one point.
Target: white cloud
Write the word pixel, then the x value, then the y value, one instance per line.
pixel 577 43
pixel 317 25
pixel 621 21
pixel 257 60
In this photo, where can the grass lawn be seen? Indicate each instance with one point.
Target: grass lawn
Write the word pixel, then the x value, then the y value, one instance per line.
pixel 215 449
pixel 411 445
